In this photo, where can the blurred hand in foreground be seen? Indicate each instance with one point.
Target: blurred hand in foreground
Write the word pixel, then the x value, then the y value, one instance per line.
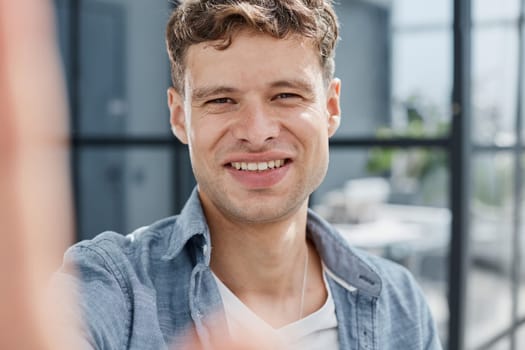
pixel 35 209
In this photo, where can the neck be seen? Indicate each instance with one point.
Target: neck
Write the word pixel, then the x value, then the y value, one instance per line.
pixel 264 266
pixel 259 256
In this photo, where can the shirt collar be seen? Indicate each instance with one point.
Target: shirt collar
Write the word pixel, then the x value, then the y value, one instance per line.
pixel 190 225
pixel 345 264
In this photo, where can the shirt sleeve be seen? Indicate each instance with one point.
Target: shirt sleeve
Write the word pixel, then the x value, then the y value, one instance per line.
pixel 101 294
pixel 429 333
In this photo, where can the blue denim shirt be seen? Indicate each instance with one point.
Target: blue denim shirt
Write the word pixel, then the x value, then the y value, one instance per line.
pixel 150 289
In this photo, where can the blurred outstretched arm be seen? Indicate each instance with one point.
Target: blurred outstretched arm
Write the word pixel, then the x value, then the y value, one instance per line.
pixel 35 211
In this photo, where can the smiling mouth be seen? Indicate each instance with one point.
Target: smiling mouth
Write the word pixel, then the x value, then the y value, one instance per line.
pixel 259 166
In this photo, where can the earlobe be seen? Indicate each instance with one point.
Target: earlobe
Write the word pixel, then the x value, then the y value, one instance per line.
pixel 333 124
pixel 333 106
pixel 177 115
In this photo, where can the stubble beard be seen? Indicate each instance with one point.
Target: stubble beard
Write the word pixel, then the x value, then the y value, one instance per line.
pixel 257 208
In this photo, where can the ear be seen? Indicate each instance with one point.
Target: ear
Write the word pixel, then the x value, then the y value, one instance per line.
pixel 333 107
pixel 177 115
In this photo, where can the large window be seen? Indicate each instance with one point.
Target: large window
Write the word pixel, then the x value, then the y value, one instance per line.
pixel 496 288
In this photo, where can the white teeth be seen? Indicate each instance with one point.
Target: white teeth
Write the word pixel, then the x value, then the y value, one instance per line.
pixel 259 166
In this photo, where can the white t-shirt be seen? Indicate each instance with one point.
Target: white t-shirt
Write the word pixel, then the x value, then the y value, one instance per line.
pixel 317 331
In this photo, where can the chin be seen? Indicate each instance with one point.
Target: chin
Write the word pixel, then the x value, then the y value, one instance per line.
pixel 267 213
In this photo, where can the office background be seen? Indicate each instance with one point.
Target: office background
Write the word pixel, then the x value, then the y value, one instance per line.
pixel 426 169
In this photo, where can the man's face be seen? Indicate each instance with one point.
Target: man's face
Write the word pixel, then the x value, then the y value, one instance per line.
pixel 257 117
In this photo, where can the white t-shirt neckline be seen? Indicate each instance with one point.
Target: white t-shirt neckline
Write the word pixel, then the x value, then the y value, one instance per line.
pixel 317 330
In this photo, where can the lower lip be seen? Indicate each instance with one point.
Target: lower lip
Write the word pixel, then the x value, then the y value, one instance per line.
pixel 259 179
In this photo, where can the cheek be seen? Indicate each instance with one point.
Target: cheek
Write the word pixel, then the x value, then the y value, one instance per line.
pixel 205 138
pixel 199 135
pixel 310 126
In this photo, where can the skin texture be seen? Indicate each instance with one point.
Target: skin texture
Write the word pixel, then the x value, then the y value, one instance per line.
pixel 261 99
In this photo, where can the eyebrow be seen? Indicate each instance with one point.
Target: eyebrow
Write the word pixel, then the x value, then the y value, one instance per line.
pixel 294 84
pixel 206 91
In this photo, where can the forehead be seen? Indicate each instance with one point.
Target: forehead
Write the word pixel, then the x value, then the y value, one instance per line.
pixel 253 58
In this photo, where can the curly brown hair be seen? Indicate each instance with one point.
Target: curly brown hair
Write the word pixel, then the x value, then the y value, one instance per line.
pixel 197 21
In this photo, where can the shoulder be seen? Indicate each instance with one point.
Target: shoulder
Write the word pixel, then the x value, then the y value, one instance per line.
pixel 120 263
pixel 110 274
pixel 112 248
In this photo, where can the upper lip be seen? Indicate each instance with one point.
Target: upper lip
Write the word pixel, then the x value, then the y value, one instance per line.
pixel 256 157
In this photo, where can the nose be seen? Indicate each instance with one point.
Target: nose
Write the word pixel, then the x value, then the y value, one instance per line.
pixel 256 125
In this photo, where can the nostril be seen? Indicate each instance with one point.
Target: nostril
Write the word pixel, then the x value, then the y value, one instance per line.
pixel 256 129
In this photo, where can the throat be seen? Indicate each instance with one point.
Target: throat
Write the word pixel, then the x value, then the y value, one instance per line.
pixel 280 298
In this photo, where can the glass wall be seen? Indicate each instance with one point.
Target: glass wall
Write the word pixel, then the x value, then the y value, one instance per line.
pixel 489 275
pixel 421 36
pixel 495 282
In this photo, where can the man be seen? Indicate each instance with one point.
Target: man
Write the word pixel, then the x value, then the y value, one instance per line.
pixel 255 100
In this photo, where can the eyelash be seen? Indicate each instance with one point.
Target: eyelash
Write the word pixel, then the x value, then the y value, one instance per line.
pixel 225 100
pixel 220 100
pixel 286 95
